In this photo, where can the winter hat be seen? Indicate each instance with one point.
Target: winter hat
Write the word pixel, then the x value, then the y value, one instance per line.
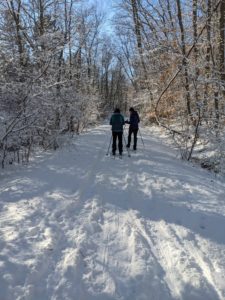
pixel 117 110
pixel 131 109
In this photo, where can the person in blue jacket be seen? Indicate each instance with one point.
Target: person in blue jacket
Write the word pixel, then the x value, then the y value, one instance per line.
pixel 133 128
pixel 117 122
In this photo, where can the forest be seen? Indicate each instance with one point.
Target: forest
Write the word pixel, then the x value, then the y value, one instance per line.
pixel 65 66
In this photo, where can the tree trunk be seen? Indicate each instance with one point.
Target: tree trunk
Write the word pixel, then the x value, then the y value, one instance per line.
pixel 137 27
pixel 16 14
pixel 184 62
pixel 195 37
pixel 208 51
pixel 221 58
pixel 222 44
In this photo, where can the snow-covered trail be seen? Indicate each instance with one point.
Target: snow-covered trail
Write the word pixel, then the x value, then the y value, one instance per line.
pixel 78 225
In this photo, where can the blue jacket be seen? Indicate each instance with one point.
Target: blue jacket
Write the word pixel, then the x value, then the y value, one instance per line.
pixel 134 120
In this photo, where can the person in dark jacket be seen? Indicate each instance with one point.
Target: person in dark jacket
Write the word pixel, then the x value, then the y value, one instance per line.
pixel 133 128
pixel 117 122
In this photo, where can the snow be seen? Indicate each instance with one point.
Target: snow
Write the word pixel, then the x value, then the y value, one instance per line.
pixel 76 224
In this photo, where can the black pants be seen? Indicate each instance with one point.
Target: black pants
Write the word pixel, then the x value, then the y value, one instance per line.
pixel 118 135
pixel 134 131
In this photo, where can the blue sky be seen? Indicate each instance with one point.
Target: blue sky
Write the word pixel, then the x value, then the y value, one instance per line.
pixel 106 6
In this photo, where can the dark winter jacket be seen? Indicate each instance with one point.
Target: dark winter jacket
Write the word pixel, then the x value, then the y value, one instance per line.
pixel 117 122
pixel 134 120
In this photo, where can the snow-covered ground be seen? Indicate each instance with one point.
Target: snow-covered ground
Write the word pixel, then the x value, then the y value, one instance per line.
pixel 77 225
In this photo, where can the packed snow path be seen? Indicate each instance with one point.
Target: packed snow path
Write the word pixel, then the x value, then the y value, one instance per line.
pixel 77 225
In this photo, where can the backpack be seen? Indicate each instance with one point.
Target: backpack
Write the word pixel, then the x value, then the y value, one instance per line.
pixel 117 122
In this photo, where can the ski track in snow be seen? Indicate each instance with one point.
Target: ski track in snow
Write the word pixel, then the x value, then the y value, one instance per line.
pixel 79 225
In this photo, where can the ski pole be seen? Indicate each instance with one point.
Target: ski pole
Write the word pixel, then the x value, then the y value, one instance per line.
pixel 125 129
pixel 128 151
pixel 109 146
pixel 141 138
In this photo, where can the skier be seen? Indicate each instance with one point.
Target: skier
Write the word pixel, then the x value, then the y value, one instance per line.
pixel 133 128
pixel 117 122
